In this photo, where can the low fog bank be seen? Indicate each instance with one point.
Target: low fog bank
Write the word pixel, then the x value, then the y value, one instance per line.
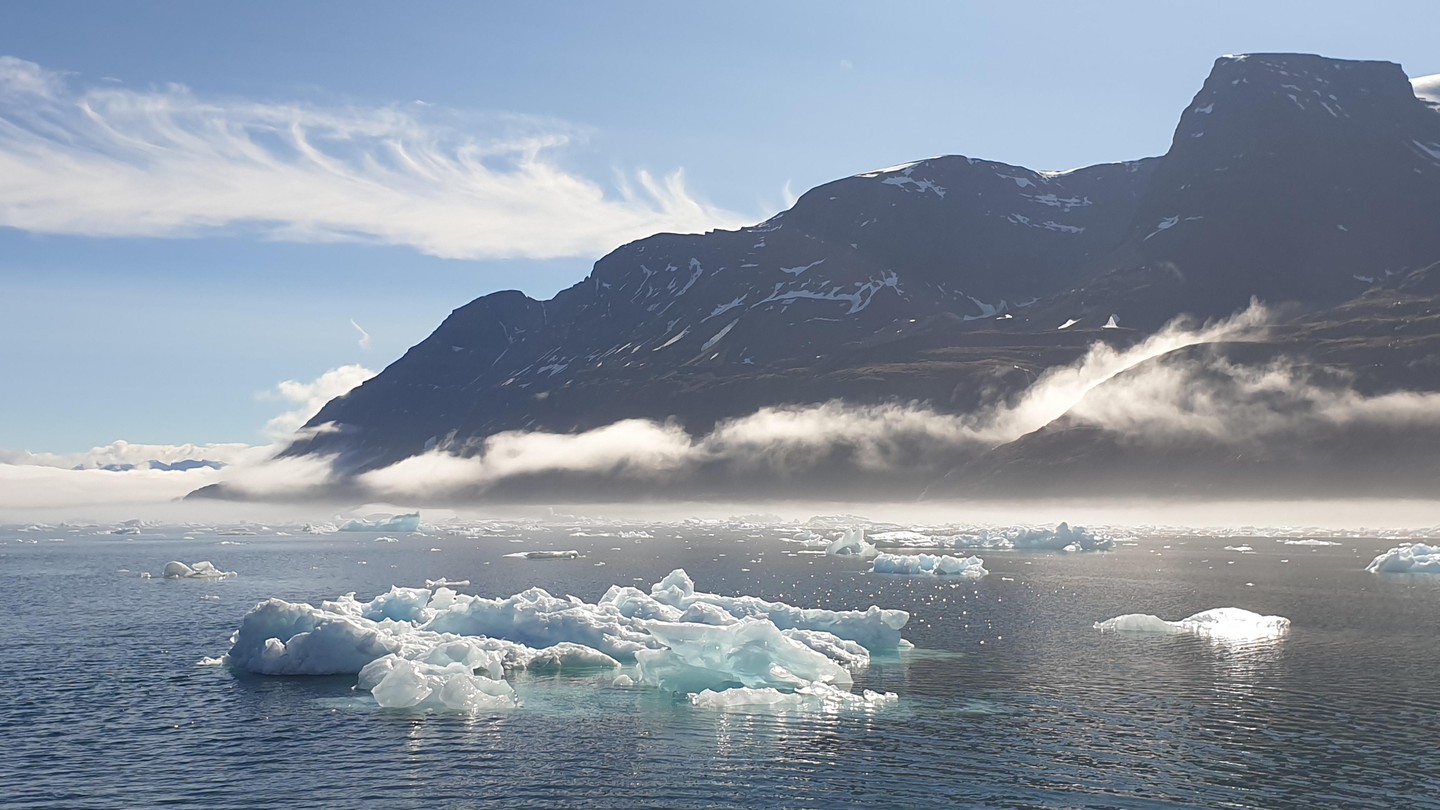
pixel 1192 416
pixel 1376 515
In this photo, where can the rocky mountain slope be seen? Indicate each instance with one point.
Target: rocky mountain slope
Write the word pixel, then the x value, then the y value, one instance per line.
pixel 1310 183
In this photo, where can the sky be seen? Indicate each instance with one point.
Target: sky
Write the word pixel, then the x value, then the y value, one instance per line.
pixel 212 215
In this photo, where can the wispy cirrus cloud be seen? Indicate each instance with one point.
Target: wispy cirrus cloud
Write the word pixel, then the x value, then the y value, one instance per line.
pixel 105 160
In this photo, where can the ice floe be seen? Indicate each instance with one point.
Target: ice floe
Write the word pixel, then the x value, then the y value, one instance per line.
pixel 851 544
pixel 395 523
pixel 1061 538
pixel 1407 558
pixel 442 582
pixel 944 565
pixel 1223 623
pixel 437 649
pixel 568 554
pixel 200 570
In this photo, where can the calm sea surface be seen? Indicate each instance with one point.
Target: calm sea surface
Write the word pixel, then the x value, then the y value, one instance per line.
pixel 1010 698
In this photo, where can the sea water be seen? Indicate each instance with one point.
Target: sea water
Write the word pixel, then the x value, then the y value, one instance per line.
pixel 1010 697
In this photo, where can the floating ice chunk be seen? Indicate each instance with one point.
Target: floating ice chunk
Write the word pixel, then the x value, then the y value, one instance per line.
pixel 820 698
pixel 750 652
pixel 1309 542
pixel 1223 623
pixel 851 544
pixel 200 570
pixel 281 638
pixel 397 523
pixel 1242 549
pixel 684 639
pixel 569 554
pixel 415 684
pixel 1069 322
pixel 969 567
pixel 1407 558
pixel 623 681
pixel 875 629
pixel 442 582
pixel 1111 324
pixel 1063 538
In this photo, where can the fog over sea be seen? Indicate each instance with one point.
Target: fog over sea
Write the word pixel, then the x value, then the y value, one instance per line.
pixel 117 691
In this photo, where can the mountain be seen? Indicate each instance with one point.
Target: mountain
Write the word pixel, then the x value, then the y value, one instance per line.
pixel 1307 182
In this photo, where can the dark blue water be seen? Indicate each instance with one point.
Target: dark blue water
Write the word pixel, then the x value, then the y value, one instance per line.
pixel 1010 699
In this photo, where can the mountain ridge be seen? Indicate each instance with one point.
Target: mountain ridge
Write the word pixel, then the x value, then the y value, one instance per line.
pixel 949 280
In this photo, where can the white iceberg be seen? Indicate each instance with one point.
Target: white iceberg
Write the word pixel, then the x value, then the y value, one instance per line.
pixel 451 645
pixel 442 582
pixel 851 544
pixel 200 570
pixel 396 523
pixel 568 554
pixel 1062 538
pixel 1407 558
pixel 944 565
pixel 1222 623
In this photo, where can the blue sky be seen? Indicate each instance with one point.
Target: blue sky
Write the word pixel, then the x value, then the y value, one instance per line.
pixel 196 200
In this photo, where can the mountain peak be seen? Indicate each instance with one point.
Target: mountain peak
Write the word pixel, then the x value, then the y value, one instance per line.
pixel 1286 94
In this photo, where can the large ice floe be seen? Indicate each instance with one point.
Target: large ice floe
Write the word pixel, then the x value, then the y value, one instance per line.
pixel 1407 558
pixel 395 523
pixel 1063 537
pixel 942 565
pixel 425 648
pixel 1221 623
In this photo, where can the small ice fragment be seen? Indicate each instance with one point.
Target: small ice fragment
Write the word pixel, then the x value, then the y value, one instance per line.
pixel 545 555
pixel 442 582
pixel 200 570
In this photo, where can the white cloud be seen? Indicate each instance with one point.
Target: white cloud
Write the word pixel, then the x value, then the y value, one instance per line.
pixel 123 453
pixel 364 336
pixel 110 161
pixel 31 480
pixel 1427 87
pixel 791 441
pixel 309 397
pixel 30 487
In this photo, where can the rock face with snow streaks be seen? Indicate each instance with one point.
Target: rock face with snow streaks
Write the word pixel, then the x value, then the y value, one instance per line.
pixel 1290 177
